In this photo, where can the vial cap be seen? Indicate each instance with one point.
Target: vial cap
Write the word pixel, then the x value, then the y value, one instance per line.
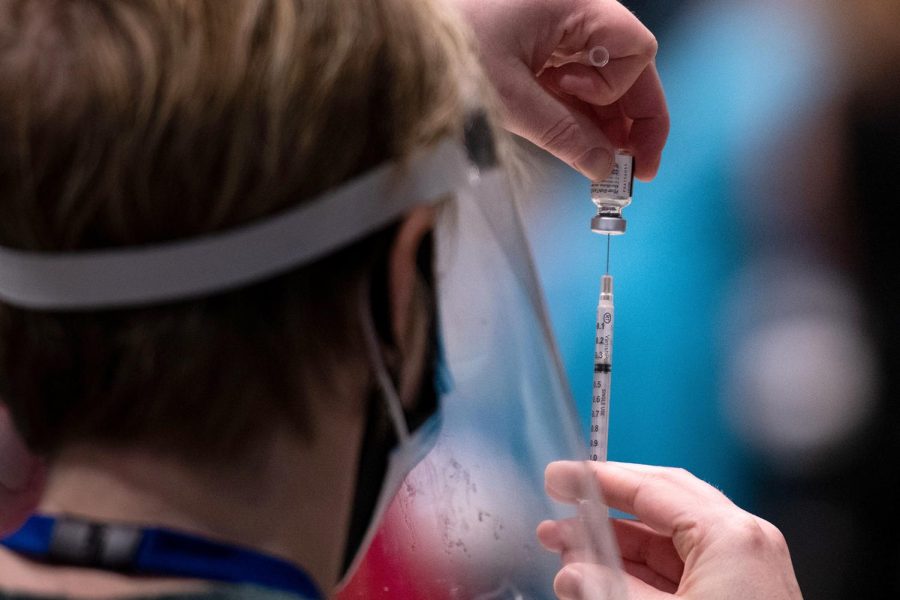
pixel 608 225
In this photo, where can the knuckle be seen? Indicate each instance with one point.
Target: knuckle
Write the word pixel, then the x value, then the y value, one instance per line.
pixel 643 491
pixel 654 482
pixel 745 531
pixel 689 533
pixel 672 475
pixel 667 477
pixel 773 534
pixel 681 473
pixel 603 92
pixel 651 46
pixel 755 535
pixel 563 137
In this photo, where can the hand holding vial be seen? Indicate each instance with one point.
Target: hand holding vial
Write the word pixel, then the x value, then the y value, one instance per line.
pixel 576 78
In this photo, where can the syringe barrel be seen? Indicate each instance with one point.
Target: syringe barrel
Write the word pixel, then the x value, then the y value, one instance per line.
pixel 602 372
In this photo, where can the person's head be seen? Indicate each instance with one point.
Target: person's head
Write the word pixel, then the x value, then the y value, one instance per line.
pixel 127 123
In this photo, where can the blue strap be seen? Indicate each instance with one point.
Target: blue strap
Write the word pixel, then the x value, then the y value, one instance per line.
pixel 33 539
pixel 154 551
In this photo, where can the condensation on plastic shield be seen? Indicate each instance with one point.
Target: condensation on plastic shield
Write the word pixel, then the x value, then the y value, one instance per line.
pixel 463 524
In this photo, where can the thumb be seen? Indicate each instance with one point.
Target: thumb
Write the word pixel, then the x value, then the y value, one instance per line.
pixel 591 581
pixel 559 125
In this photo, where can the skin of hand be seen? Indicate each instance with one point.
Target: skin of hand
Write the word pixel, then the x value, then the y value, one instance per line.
pixel 578 113
pixel 689 541
pixel 21 477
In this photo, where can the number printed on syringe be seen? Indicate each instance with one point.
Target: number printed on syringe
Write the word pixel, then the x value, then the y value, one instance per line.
pixel 602 372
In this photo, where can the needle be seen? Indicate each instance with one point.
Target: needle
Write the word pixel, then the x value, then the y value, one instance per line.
pixel 607 253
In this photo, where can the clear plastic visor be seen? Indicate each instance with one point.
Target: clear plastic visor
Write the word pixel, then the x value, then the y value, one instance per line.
pixel 463 524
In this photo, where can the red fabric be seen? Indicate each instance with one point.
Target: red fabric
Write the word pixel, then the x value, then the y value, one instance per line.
pixel 384 573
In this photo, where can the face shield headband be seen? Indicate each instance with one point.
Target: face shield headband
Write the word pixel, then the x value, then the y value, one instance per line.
pixel 462 525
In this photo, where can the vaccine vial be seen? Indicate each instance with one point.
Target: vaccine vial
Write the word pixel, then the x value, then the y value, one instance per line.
pixel 612 195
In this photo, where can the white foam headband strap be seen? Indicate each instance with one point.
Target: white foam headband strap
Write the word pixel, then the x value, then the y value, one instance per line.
pixel 125 277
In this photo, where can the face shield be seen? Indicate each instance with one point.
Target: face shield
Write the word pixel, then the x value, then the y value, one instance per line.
pixel 462 522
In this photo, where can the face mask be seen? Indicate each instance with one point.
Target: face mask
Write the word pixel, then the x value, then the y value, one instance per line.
pixel 390 450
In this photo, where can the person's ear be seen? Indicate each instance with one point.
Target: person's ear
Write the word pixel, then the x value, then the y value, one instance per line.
pixel 410 316
pixel 402 273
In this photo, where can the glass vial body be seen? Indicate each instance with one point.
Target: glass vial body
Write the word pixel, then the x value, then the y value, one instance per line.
pixel 612 195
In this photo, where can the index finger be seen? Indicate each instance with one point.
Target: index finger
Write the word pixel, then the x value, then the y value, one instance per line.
pixel 645 104
pixel 665 499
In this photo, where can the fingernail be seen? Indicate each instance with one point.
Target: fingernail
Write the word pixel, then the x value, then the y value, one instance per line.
pixel 569 584
pixel 596 164
pixel 560 492
pixel 563 480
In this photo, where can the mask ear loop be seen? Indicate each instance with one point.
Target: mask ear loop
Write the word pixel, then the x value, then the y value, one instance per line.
pixel 376 358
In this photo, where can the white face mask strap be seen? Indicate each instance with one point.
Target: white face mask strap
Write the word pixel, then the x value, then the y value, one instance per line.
pixel 376 359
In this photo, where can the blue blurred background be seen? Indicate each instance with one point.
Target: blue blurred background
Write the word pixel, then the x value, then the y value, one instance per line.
pixel 755 287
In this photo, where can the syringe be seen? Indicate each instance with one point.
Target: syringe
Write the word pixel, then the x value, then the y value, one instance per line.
pixel 610 196
pixel 602 371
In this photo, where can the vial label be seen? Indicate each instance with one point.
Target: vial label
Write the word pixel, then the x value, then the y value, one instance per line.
pixel 619 183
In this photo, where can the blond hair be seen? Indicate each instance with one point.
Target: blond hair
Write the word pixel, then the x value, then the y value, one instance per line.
pixel 128 122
